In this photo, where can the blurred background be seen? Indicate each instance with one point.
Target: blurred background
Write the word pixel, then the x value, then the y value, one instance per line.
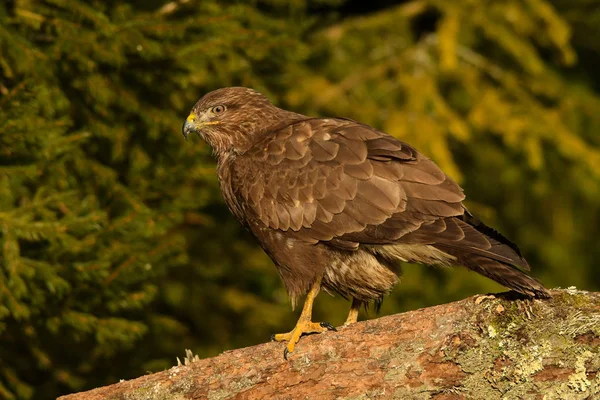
pixel 116 249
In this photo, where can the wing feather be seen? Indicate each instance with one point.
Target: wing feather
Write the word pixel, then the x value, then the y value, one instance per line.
pixel 337 179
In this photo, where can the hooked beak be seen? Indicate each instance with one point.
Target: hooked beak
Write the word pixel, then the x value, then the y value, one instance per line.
pixel 192 125
pixel 189 126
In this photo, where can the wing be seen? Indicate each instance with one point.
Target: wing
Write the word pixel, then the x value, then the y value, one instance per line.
pixel 341 182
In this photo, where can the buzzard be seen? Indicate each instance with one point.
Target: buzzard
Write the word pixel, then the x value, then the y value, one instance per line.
pixel 339 205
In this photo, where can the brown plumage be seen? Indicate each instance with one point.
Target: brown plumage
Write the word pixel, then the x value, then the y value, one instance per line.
pixel 340 203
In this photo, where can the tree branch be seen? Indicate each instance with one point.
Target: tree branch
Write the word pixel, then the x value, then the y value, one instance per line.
pixel 478 348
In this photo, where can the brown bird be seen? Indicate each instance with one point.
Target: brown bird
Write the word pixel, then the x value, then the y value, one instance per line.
pixel 339 205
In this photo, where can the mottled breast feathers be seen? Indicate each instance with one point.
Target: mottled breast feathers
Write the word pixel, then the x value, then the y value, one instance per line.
pixel 342 182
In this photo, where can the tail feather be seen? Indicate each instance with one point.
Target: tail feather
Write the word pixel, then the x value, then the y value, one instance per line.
pixel 501 249
pixel 455 232
pixel 481 249
pixel 503 273
pixel 502 262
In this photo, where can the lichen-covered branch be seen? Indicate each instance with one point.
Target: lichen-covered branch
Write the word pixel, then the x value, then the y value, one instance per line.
pixel 478 348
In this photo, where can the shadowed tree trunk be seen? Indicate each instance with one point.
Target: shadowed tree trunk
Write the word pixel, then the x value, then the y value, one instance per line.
pixel 478 348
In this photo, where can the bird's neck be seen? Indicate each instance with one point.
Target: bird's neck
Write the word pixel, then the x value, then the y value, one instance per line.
pixel 243 136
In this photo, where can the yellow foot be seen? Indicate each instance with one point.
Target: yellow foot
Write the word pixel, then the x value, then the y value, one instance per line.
pixel 353 314
pixel 300 329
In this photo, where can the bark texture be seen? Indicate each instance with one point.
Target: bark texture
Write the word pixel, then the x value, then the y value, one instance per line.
pixel 477 348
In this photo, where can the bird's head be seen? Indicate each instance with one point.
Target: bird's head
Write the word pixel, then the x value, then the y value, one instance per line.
pixel 230 119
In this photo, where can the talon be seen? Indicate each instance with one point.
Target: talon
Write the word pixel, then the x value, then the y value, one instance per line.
pixel 272 338
pixel 304 326
pixel 328 326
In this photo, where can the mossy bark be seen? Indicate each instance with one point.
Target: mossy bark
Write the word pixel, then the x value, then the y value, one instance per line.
pixel 478 348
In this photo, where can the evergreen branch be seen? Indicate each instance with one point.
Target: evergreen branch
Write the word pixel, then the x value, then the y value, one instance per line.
pixel 13 92
pixel 133 258
pixel 13 305
pixel 24 13
pixel 577 148
pixel 81 9
pixel 36 203
pixel 120 268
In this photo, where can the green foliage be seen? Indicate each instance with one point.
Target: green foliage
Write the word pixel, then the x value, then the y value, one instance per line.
pixel 116 250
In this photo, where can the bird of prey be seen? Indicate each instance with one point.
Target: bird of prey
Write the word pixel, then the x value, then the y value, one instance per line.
pixel 339 205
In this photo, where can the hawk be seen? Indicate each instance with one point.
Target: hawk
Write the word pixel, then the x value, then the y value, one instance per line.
pixel 338 205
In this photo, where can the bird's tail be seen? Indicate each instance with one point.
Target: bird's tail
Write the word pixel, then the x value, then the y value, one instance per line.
pixel 499 260
pixel 481 249
pixel 503 273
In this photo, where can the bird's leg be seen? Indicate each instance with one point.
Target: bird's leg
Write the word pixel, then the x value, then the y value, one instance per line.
pixel 353 314
pixel 304 324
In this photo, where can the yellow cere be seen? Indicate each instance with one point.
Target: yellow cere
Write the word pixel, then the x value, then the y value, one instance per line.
pixel 191 118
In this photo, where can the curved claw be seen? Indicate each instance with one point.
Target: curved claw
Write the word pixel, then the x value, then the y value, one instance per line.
pixel 328 326
pixel 272 338
pixel 303 327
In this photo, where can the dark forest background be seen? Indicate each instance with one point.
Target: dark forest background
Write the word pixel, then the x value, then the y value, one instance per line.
pixel 116 250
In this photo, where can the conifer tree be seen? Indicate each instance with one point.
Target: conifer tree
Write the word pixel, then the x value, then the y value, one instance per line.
pixel 116 251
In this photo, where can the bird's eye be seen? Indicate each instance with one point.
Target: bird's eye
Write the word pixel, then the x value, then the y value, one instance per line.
pixel 218 109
